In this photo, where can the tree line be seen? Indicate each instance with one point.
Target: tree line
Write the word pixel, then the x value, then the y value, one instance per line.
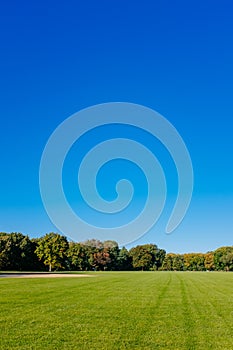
pixel 54 252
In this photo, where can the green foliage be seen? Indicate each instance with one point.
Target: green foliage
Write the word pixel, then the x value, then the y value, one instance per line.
pixel 112 249
pixel 52 250
pixel 110 244
pixel 194 262
pixel 147 257
pixel 223 258
pixel 102 255
pixel 17 252
pixel 173 262
pixel 93 243
pixel 168 262
pixel 77 257
pixel 124 260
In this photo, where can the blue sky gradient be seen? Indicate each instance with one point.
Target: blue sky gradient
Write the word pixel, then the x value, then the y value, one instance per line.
pixel 172 56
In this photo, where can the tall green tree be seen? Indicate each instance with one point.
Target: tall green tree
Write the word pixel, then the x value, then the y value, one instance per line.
pixel 17 252
pixel 52 251
pixel 168 262
pixel 112 248
pixel 77 255
pixel 147 257
pixel 124 260
pixel 223 258
pixel 194 261
pixel 178 262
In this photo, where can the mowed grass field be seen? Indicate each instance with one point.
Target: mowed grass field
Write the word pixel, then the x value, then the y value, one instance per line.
pixel 118 310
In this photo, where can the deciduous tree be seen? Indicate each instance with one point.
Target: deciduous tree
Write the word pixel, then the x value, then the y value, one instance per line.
pixel 52 250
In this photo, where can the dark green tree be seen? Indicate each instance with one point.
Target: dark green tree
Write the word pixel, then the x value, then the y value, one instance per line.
pixel 112 248
pixel 124 260
pixel 223 258
pixel 178 262
pixel 17 252
pixel 168 262
pixel 147 257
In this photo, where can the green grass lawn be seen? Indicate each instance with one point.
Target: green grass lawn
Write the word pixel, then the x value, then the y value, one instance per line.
pixel 125 310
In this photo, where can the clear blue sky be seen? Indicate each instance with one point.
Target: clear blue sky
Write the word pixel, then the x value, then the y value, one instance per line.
pixel 173 56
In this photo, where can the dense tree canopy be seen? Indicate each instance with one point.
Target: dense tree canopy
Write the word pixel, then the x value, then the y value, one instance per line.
pixel 17 252
pixel 55 252
pixel 223 258
pixel 147 257
pixel 52 250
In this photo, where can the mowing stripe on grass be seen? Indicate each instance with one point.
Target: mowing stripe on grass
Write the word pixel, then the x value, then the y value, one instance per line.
pixel 122 310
